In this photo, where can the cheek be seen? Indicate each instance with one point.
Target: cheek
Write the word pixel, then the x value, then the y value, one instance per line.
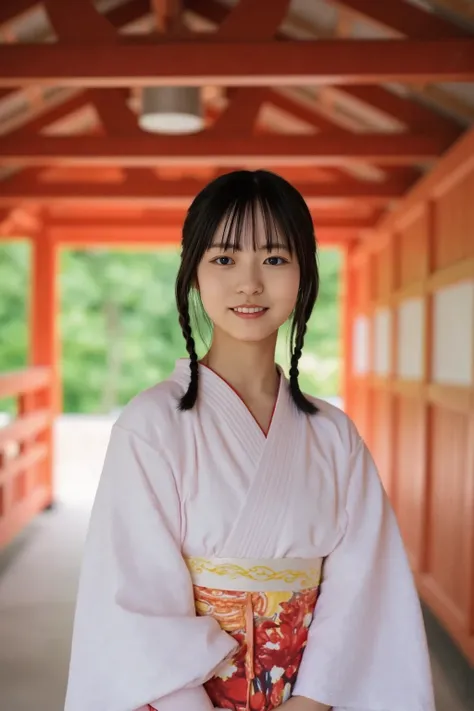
pixel 210 286
pixel 287 287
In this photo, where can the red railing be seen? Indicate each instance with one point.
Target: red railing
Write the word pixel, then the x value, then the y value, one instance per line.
pixel 26 450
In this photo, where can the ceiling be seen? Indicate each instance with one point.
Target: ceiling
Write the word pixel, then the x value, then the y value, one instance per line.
pixel 353 101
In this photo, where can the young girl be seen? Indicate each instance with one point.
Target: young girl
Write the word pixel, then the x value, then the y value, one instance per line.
pixel 242 553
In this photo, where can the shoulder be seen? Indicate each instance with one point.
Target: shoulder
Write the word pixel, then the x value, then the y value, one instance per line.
pixel 153 414
pixel 338 429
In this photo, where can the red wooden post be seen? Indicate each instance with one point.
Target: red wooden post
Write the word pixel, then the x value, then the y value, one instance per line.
pixel 44 344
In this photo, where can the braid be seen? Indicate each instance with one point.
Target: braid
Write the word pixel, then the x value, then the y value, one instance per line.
pixel 301 402
pixel 189 398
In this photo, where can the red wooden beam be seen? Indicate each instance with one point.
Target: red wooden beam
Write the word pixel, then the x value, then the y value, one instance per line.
pixel 242 63
pixel 180 193
pixel 205 149
pixel 155 235
pixel 169 220
pixel 404 18
pixel 79 236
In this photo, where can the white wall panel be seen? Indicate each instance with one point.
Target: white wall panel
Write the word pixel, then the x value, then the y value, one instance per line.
pixel 382 341
pixel 453 334
pixel 411 324
pixel 361 341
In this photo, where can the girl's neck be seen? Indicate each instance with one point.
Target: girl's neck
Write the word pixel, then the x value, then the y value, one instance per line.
pixel 248 367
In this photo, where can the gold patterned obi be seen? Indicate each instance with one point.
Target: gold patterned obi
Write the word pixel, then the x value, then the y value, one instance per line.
pixel 268 607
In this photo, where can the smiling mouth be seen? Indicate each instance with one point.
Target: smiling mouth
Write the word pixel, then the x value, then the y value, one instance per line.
pixel 249 312
pixel 249 309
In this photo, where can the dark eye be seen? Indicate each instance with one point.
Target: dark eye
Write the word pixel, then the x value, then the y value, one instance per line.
pixel 223 261
pixel 275 261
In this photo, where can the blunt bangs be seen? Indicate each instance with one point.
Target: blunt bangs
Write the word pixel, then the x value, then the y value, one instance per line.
pixel 243 208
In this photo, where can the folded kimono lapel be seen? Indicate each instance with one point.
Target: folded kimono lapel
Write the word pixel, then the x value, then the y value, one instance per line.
pixel 262 513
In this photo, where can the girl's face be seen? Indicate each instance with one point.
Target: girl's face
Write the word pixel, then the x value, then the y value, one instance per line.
pixel 249 293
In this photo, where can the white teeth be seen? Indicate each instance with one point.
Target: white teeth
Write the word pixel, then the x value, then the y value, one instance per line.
pixel 245 310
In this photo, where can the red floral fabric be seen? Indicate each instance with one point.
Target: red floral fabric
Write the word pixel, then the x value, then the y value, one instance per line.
pixel 281 622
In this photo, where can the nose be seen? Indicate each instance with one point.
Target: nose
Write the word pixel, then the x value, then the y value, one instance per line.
pixel 250 281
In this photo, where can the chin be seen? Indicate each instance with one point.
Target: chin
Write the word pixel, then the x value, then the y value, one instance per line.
pixel 248 336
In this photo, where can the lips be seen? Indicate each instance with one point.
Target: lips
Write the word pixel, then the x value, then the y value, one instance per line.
pixel 249 312
pixel 249 309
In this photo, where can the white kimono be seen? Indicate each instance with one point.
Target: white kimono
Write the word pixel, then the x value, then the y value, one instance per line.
pixel 209 483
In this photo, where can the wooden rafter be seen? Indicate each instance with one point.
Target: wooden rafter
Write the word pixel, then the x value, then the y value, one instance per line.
pixel 411 113
pixel 206 149
pixel 174 218
pixel 119 16
pixel 403 18
pixel 11 9
pixel 164 235
pixel 248 21
pixel 464 9
pixel 140 189
pixel 76 18
pixel 238 63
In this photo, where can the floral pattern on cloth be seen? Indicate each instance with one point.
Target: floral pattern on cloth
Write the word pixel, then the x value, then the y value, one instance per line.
pixel 281 621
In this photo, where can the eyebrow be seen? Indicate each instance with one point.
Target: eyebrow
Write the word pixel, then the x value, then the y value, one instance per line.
pixel 273 246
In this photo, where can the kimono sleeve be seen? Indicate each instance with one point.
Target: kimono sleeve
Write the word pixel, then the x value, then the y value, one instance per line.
pixel 366 647
pixel 136 638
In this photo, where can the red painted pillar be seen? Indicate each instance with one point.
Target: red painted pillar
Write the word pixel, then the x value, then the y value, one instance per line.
pixel 347 297
pixel 44 341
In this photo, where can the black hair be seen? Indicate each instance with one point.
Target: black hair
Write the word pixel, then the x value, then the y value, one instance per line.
pixel 232 199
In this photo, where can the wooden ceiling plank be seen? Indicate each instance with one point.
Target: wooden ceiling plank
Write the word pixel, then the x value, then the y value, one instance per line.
pixel 398 107
pixel 28 185
pixel 128 13
pixel 144 150
pixel 411 113
pixel 159 235
pixel 11 9
pixel 313 118
pixel 175 220
pixel 403 18
pixel 76 18
pixel 51 115
pixel 253 21
pixel 267 63
pixel 463 9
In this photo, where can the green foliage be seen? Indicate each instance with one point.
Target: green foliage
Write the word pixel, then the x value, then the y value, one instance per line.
pixel 119 326
pixel 320 362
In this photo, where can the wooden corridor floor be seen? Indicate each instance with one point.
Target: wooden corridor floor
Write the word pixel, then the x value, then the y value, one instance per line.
pixel 38 579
